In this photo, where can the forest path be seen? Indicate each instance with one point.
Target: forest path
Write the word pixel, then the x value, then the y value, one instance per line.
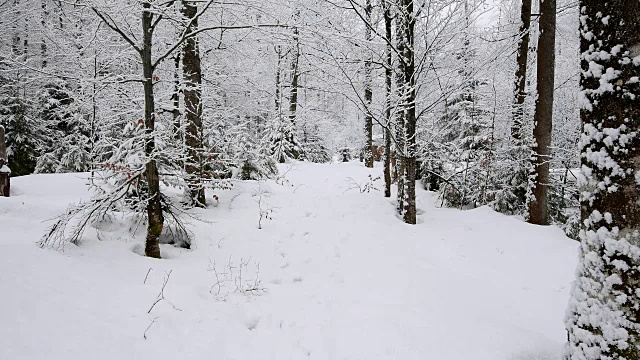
pixel 333 274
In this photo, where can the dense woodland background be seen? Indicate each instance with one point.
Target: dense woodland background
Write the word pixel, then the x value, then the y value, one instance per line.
pixel 264 81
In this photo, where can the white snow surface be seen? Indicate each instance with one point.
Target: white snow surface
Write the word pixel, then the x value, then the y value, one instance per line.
pixel 344 279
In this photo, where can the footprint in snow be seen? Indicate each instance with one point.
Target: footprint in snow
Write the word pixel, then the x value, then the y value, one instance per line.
pixel 252 323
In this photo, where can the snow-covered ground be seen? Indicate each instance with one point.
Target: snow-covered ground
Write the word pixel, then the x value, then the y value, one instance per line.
pixel 340 277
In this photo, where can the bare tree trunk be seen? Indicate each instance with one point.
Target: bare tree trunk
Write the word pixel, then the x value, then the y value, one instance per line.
pixel 538 207
pixel 175 97
pixel 401 89
pixel 43 42
pixel 154 206
pixel 193 108
pixel 368 94
pixel 521 71
pixel 410 111
pixel 603 319
pixel 5 173
pixel 278 93
pixel 388 74
pixel 295 73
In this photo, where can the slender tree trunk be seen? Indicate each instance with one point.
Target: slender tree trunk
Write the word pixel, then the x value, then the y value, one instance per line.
pixel 388 75
pixel 520 93
pixel 43 42
pixel 5 173
pixel 296 152
pixel 538 207
pixel 368 94
pixel 603 320
pixel 295 73
pixel 410 112
pixel 193 108
pixel 401 90
pixel 278 93
pixel 154 205
pixel 175 97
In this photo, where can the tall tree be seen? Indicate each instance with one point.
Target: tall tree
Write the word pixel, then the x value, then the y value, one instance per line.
pixel 192 69
pixel 603 319
pixel 295 76
pixel 368 93
pixel 401 94
pixel 388 76
pixel 543 117
pixel 407 55
pixel 152 14
pixel 520 92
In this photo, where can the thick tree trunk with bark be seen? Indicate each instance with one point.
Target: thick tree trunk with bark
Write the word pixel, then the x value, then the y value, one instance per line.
pixel 368 93
pixel 410 111
pixel 193 108
pixel 388 75
pixel 538 207
pixel 5 172
pixel 603 320
pixel 520 93
pixel 154 207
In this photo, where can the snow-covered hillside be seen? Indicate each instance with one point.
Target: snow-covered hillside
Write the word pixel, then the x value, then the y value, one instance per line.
pixel 332 274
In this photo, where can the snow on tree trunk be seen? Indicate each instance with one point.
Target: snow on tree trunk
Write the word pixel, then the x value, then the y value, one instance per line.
pixel 293 95
pixel 603 318
pixel 408 64
pixel 155 221
pixel 400 116
pixel 388 75
pixel 5 172
pixel 193 108
pixel 543 117
pixel 368 94
pixel 520 93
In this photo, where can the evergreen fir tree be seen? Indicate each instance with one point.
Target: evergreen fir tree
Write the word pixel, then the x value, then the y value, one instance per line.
pixel 66 144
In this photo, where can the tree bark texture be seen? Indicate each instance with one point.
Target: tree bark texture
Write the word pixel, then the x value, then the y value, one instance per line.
pixel 410 111
pixel 5 173
pixel 388 76
pixel 368 93
pixel 401 88
pixel 520 93
pixel 603 320
pixel 538 207
pixel 192 71
pixel 154 206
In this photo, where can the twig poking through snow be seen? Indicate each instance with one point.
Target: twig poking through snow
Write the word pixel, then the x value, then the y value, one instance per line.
pixel 148 327
pixel 145 278
pixel 161 294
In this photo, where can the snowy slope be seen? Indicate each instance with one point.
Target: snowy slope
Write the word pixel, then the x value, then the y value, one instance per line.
pixel 339 278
